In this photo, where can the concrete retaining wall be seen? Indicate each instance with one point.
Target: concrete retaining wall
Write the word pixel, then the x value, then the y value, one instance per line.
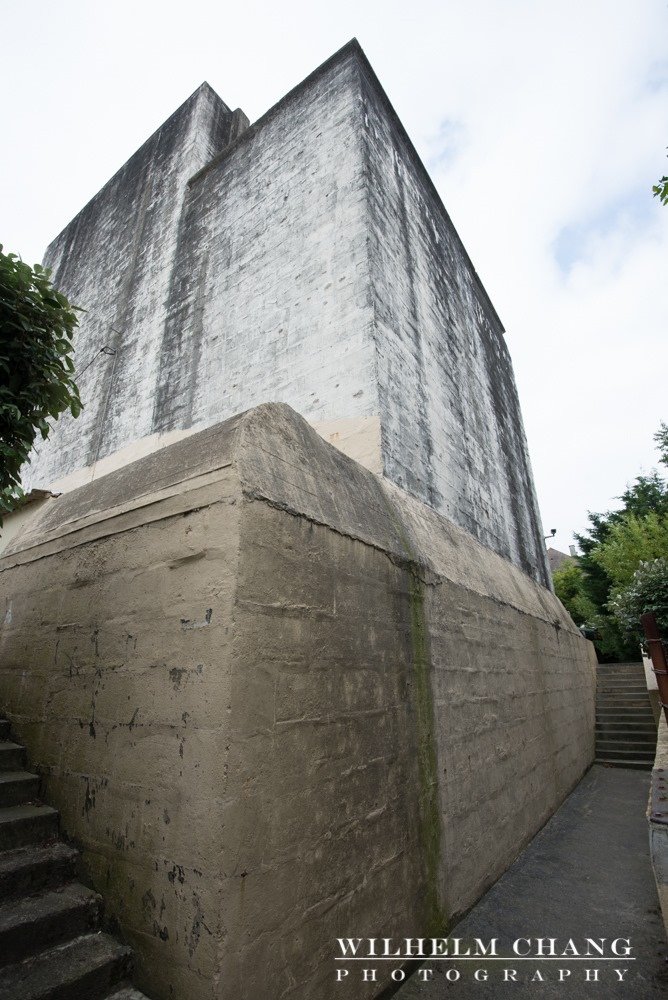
pixel 657 814
pixel 278 701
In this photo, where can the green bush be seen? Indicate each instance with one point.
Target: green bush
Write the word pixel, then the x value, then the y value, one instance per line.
pixel 36 369
pixel 647 591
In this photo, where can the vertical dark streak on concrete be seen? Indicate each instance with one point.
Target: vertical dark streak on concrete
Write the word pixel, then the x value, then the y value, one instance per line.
pixel 414 331
pixel 183 331
pixel 118 332
pixel 179 351
pixel 503 396
pixel 372 289
pixel 528 493
pixel 197 335
pixel 113 259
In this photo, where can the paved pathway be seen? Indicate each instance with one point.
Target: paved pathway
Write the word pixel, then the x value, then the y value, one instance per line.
pixel 586 874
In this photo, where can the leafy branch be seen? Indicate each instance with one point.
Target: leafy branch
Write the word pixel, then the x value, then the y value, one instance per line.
pixel 36 368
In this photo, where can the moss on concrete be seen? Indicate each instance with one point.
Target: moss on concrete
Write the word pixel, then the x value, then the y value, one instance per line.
pixel 430 819
pixel 436 922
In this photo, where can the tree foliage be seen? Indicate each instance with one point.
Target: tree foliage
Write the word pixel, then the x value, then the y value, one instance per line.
pixel 36 368
pixel 610 580
pixel 661 438
pixel 647 591
pixel 631 541
pixel 660 190
pixel 569 588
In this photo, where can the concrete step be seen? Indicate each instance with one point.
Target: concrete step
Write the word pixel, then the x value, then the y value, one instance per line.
pixel 630 734
pixel 647 730
pixel 625 707
pixel 12 756
pixel 35 869
pixel 632 765
pixel 17 787
pixel 620 675
pixel 623 677
pixel 639 685
pixel 611 748
pixel 27 824
pixel 644 709
pixel 619 684
pixel 626 688
pixel 83 969
pixel 641 703
pixel 635 713
pixel 621 694
pixel 625 753
pixel 627 665
pixel 31 924
pixel 610 688
pixel 620 688
pixel 632 747
pixel 624 722
pixel 632 714
pixel 624 725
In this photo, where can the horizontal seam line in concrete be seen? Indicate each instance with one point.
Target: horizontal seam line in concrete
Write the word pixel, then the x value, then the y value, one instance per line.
pixel 403 562
pixel 110 533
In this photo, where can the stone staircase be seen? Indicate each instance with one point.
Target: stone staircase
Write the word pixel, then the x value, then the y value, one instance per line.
pixel 51 945
pixel 625 724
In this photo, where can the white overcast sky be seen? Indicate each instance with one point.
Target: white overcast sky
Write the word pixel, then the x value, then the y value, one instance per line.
pixel 543 124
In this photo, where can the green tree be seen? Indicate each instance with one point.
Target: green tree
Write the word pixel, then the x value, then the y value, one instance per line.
pixel 647 591
pixel 660 190
pixel 646 495
pixel 568 586
pixel 36 369
pixel 631 541
pixel 661 438
pixel 614 547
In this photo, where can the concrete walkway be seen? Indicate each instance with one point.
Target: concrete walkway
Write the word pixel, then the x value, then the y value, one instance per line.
pixel 586 875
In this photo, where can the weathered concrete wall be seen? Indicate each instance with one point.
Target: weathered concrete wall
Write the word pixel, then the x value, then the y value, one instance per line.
pixel 123 701
pixel 257 288
pixel 278 701
pixel 310 262
pixel 451 420
pixel 115 259
pixel 277 227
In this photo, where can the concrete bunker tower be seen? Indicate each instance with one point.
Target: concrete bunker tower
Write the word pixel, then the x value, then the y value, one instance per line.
pixel 305 259
pixel 284 650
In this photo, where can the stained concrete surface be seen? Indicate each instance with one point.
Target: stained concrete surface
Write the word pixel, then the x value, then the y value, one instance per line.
pixel 586 874
pixel 309 261
pixel 255 679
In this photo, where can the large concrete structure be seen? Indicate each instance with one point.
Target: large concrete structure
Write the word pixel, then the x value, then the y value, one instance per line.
pixel 305 259
pixel 282 691
pixel 279 701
